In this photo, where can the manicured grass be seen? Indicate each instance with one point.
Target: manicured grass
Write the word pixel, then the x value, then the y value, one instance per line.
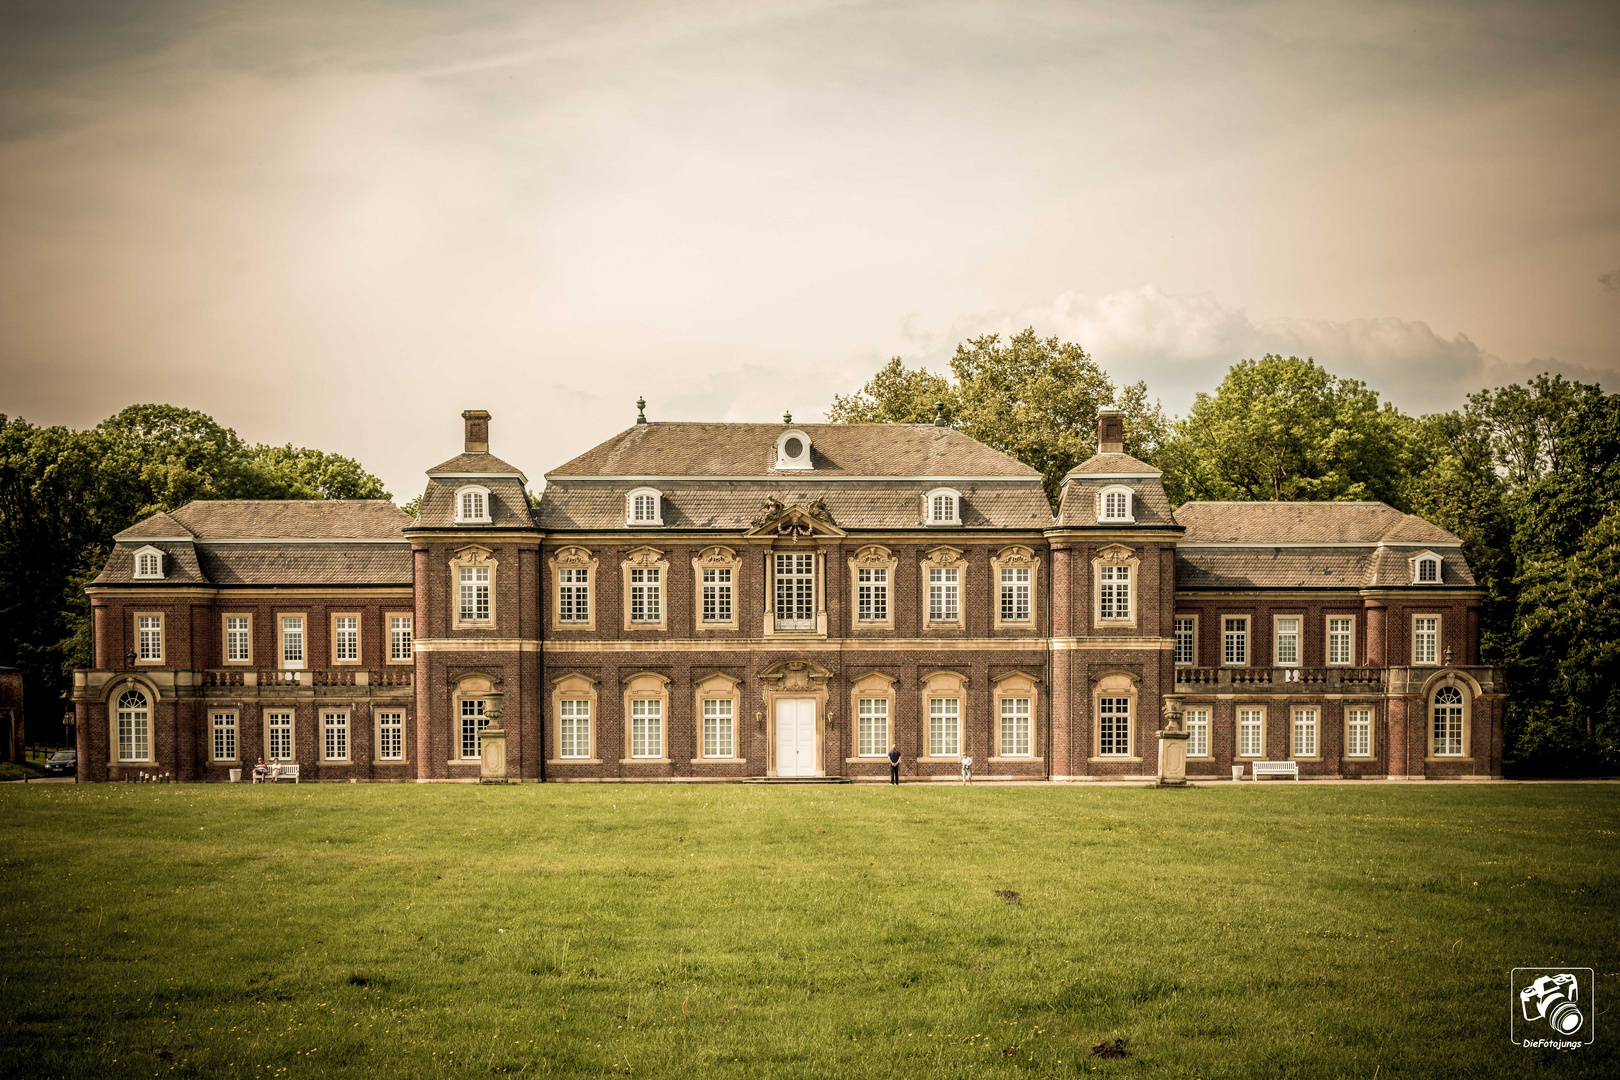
pixel 745 931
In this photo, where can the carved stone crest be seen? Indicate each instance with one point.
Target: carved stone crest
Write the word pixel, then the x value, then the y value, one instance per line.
pixel 945 556
pixel 1016 556
pixel 1115 553
pixel 645 556
pixel 572 556
pixel 873 555
pixel 717 556
pixel 472 556
pixel 771 509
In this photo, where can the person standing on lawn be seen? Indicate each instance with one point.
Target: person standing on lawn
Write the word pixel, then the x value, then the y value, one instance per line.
pixel 894 764
pixel 967 769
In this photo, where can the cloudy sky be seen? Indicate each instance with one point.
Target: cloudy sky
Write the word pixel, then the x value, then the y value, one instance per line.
pixel 339 224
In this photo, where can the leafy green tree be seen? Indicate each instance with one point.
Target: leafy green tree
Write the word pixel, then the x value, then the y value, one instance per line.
pixel 1033 398
pixel 1287 430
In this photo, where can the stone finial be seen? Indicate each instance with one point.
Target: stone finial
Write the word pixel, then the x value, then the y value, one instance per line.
pixel 1110 431
pixel 939 414
pixel 477 431
pixel 641 410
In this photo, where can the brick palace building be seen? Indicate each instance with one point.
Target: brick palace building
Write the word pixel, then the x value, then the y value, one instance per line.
pixel 708 602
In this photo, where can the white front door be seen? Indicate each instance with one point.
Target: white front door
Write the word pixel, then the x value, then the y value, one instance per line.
pixel 795 737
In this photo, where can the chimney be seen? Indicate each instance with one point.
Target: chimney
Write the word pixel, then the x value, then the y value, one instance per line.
pixel 1110 431
pixel 477 431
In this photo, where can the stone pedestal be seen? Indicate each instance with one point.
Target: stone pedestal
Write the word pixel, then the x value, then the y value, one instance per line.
pixel 1173 744
pixel 492 765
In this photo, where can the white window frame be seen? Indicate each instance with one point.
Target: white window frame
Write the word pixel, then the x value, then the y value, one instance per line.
pixel 574 728
pixel 1305 730
pixel 224 736
pixel 805 459
pixel 1463 715
pixel 1125 514
pixel 286 635
pixel 1426 561
pixel 1346 637
pixel 638 502
pixel 143 557
pixel 1017 727
pixel 149 635
pixel 1114 581
pixel 942 506
pixel 1251 732
pixel 1231 636
pixel 474 716
pixel 718 585
pixel 1016 603
pixel 134 743
pixel 719 727
pixel 474 595
pixel 872 595
pixel 1197 721
pixel 800 612
pixel 345 638
pixel 1278 635
pixel 646 595
pixel 574 595
pixel 473 505
pixel 1426 640
pixel 1114 710
pixel 391 735
pixel 646 728
pixel 278 726
pixel 872 727
pixel 1190 639
pixel 236 636
pixel 944 726
pixel 335 735
pixel 944 594
pixel 401 637
pixel 1358 722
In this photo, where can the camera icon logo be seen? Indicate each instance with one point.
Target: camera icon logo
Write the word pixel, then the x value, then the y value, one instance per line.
pixel 1552 1007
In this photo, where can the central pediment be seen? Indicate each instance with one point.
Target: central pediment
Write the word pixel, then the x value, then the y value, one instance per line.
pixel 799 520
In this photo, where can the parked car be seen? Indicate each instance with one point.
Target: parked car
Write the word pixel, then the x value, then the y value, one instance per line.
pixel 62 763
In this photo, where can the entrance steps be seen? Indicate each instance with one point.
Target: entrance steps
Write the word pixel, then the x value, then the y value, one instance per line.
pixel 799 780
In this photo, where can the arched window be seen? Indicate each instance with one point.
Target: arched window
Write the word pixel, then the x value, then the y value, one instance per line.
pixel 1426 569
pixel 644 507
pixel 149 563
pixel 134 727
pixel 943 506
pixel 1449 712
pixel 793 450
pixel 472 505
pixel 1114 504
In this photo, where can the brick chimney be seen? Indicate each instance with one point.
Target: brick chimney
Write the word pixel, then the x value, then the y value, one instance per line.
pixel 1110 431
pixel 477 431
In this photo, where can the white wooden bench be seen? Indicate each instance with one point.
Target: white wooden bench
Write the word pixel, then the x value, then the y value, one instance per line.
pixel 1275 768
pixel 288 772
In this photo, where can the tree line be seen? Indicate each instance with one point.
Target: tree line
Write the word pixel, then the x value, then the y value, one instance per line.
pixel 1527 476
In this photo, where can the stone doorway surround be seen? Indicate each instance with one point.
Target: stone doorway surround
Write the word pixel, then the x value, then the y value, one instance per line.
pixel 795 679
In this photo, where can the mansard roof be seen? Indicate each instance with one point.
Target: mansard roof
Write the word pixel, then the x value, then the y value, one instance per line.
pixel 1306 523
pixel 1113 465
pixel 678 449
pixel 476 464
pixel 275 519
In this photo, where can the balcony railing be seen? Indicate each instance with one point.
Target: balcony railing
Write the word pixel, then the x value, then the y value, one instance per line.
pixel 1281 680
pixel 323 678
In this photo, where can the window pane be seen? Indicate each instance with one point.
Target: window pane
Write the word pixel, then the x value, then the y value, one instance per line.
pixel 1250 732
pixel 1113 726
pixel 873 726
pixel 944 727
pixel 1197 732
pixel 1184 642
pixel 391 736
pixel 1015 737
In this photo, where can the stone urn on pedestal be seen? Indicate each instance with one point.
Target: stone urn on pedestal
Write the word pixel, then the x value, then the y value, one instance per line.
pixel 492 742
pixel 1173 744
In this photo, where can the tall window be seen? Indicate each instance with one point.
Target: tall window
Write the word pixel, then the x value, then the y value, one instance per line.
pixel 1304 732
pixel 224 736
pixel 1186 640
pixel 337 736
pixel 391 736
pixel 1448 722
pixel 1339 650
pixel 1114 727
pixel 874 727
pixel 1114 593
pixel 1015 594
pixel 278 728
pixel 292 641
pixel 1425 639
pixel 346 638
pixel 474 593
pixel 236 639
pixel 944 727
pixel 872 594
pixel 1235 641
pixel 1287 642
pixel 1197 732
pixel 150 630
pixel 574 723
pixel 1251 732
pixel 1358 733
pixel 400 630
pixel 573 595
pixel 717 597
pixel 646 728
pixel 473 722
pixel 1015 727
pixel 646 594
pixel 474 506
pixel 717 727
pixel 944 586
pixel 134 727
pixel 796 592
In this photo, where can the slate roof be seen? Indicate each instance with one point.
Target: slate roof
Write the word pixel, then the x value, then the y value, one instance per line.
pixel 478 464
pixel 1305 523
pixel 1113 463
pixel 508 503
pixel 291 519
pixel 307 564
pixel 718 449
pixel 1310 568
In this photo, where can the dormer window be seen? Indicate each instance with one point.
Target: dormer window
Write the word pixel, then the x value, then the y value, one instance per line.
pixel 1426 569
pixel 793 450
pixel 943 507
pixel 1114 504
pixel 472 506
pixel 149 564
pixel 644 507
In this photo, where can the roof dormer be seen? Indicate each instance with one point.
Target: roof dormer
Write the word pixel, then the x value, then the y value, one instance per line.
pixel 472 505
pixel 793 450
pixel 148 564
pixel 1427 569
pixel 1116 505
pixel 943 506
pixel 644 507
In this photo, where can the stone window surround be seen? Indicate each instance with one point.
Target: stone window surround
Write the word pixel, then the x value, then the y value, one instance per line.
pixel 654 522
pixel 116 689
pixel 359 637
pixel 1130 505
pixel 871 557
pixel 574 686
pixel 1197 622
pixel 347 713
pixel 944 557
pixel 1276 638
pixel 469 685
pixel 376 734
pixel 1316 712
pixel 1237 722
pixel 388 632
pixel 1328 618
pixel 1016 684
pixel 945 683
pixel 644 686
pixel 148 549
pixel 225 638
pixel 1015 557
pixel 236 719
pixel 1439 638
pixel 820 571
pixel 874 684
pixel 291 712
pixel 1209 730
pixel 473 555
pixel 135 618
pixel 282 663
pixel 715 557
pixel 1248 639
pixel 795 678
pixel 1115 555
pixel 1372 730
pixel 1470 691
pixel 574 557
pixel 645 558
pixel 1125 684
pixel 716 687
pixel 473 489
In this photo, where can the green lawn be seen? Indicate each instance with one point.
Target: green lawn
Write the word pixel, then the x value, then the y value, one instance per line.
pixel 747 931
